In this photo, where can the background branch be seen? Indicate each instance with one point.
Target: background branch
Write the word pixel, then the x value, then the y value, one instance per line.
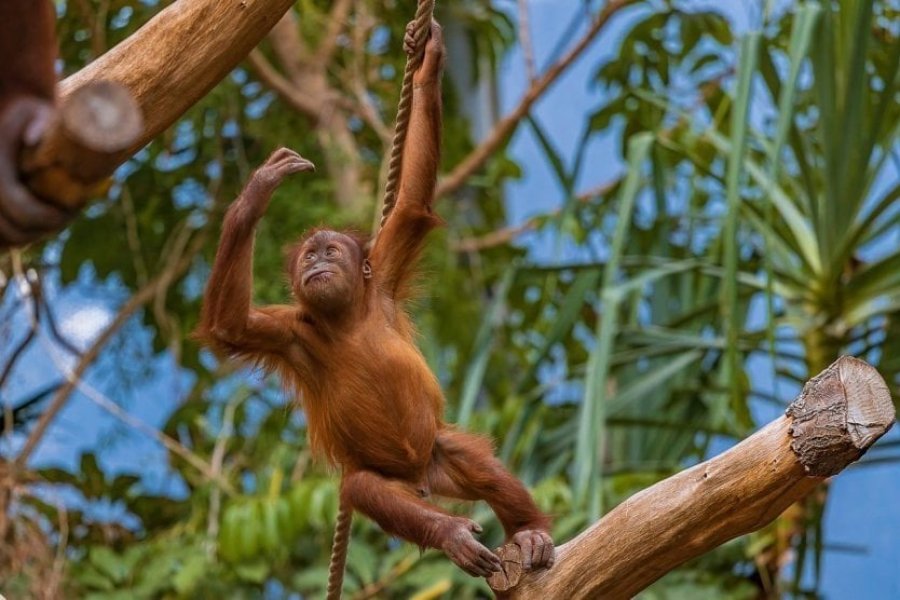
pixel 507 125
pixel 337 21
pixel 138 300
pixel 506 235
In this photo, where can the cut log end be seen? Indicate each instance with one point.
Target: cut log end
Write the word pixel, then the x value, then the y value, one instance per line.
pixel 95 122
pixel 102 116
pixel 514 571
pixel 839 415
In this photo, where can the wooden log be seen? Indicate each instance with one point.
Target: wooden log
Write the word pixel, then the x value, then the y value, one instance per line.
pixel 178 56
pixel 93 124
pixel 121 101
pixel 839 414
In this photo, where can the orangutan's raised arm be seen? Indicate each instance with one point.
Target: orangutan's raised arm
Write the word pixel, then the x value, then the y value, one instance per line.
pixel 229 322
pixel 402 238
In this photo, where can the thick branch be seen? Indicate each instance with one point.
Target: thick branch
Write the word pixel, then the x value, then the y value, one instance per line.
pixel 176 58
pixel 838 416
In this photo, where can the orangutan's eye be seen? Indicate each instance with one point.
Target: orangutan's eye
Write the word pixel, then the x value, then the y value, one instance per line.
pixel 310 256
pixel 332 252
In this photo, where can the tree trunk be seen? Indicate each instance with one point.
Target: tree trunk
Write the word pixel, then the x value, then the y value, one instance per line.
pixel 837 417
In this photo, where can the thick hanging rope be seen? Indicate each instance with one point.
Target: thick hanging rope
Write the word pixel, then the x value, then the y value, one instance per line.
pixel 422 28
pixel 339 550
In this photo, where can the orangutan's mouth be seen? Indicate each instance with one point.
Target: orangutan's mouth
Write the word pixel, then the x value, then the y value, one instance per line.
pixel 316 275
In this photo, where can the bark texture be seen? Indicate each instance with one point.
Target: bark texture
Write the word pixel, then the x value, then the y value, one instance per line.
pixel 839 415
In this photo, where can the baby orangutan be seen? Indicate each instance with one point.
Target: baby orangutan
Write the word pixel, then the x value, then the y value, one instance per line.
pixel 347 347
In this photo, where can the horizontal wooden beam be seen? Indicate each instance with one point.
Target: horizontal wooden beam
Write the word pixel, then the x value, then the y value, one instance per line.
pixel 837 417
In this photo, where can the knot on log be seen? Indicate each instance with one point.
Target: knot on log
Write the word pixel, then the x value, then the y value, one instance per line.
pixel 839 415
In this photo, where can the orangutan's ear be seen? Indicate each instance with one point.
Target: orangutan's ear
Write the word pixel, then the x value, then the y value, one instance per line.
pixel 367 269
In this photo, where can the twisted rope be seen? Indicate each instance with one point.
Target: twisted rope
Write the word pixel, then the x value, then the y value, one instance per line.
pixel 339 551
pixel 424 14
pixel 422 28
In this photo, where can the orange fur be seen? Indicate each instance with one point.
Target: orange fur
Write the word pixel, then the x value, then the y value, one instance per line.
pixel 347 349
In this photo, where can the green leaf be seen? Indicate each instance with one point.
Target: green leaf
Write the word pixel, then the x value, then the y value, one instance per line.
pixel 801 36
pixel 94 579
pixel 364 563
pixel 249 532
pixel 109 563
pixel 483 343
pixel 94 481
pixel 253 572
pixel 190 573
pixel 270 534
pixel 229 542
pixel 154 576
pixel 654 380
pixel 590 440
pixel 311 579
pixel 731 313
